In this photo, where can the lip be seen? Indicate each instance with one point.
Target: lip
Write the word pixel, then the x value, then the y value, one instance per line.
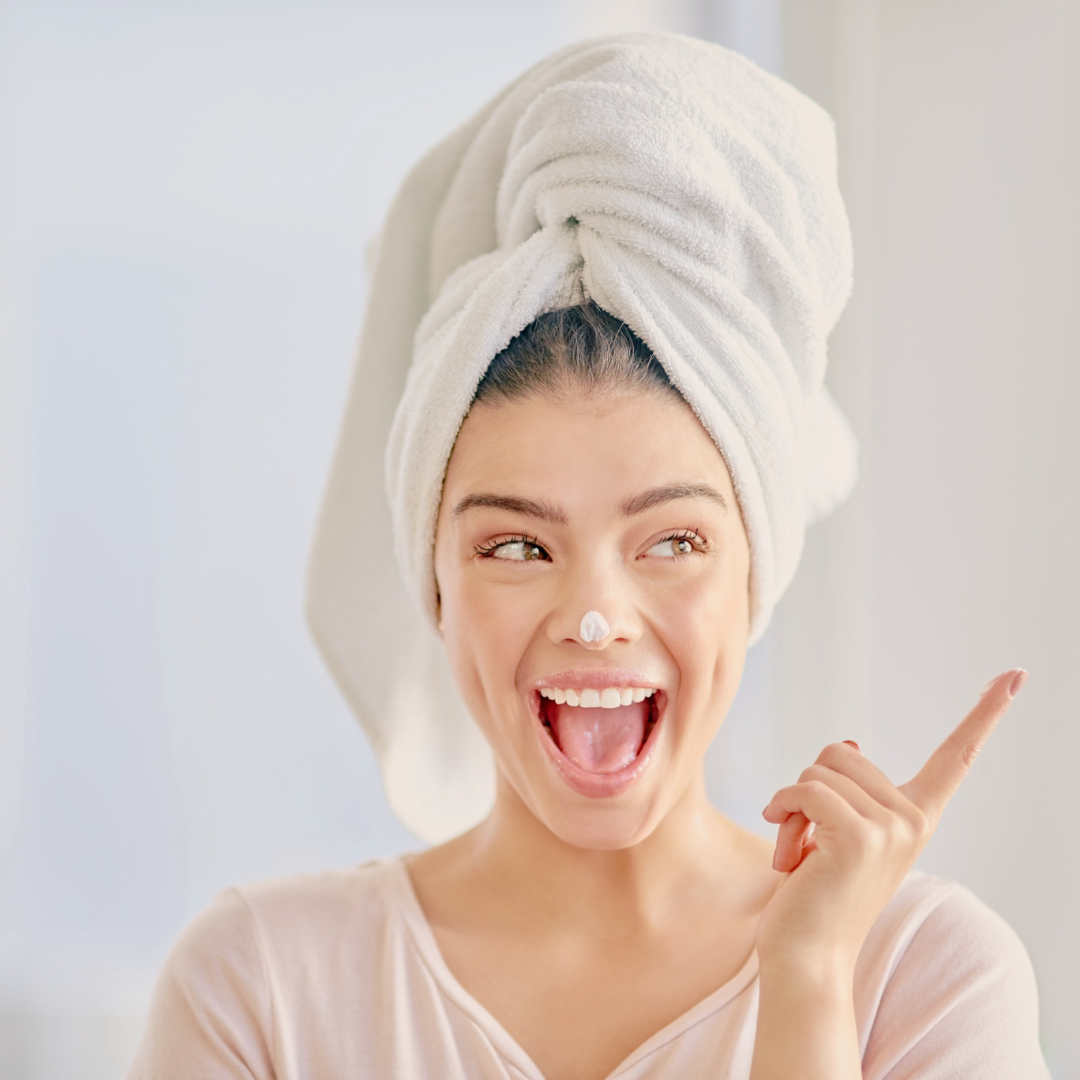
pixel 598 785
pixel 596 679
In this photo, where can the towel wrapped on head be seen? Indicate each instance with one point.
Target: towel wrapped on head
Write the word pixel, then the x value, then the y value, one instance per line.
pixel 683 190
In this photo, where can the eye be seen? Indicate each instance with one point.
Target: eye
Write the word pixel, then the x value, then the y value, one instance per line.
pixel 517 549
pixel 676 546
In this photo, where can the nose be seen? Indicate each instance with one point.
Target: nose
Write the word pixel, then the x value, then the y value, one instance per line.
pixel 595 618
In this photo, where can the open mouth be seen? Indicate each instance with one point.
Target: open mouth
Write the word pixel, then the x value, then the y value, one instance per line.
pixel 601 731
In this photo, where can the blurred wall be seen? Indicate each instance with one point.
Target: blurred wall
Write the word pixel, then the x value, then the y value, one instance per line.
pixel 186 193
pixel 959 362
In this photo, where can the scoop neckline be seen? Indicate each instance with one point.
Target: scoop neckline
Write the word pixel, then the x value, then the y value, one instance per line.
pixel 408 908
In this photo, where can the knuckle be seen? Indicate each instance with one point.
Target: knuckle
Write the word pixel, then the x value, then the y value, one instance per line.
pixel 813 774
pixel 921 826
pixel 866 838
pixel 898 832
pixel 876 834
pixel 969 754
pixel 909 830
pixel 833 753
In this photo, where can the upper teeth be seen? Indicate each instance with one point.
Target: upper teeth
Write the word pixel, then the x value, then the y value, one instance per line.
pixel 611 697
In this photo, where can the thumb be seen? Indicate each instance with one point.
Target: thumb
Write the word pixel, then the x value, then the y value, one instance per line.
pixel 936 782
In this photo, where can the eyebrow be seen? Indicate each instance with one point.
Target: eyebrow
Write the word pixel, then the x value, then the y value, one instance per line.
pixel 555 515
pixel 668 493
pixel 529 507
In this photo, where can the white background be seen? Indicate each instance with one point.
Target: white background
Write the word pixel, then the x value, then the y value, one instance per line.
pixel 186 194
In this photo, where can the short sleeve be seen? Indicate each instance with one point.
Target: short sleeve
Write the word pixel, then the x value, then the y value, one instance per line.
pixel 210 1014
pixel 961 1003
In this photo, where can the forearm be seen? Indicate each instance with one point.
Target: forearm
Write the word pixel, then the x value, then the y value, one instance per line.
pixel 806 1023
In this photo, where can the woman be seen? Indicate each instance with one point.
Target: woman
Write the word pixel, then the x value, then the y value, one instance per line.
pixel 598 317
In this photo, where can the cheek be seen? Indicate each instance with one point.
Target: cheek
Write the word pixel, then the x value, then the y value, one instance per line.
pixel 487 630
pixel 713 607
pixel 705 625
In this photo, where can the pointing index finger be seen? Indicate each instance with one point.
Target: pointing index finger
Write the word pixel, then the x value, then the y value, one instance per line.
pixel 936 782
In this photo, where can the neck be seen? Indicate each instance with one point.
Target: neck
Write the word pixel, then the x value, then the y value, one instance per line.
pixel 694 850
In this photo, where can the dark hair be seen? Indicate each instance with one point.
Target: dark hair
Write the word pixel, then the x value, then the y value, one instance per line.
pixel 574 351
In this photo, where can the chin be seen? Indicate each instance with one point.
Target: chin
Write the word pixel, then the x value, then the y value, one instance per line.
pixel 600 828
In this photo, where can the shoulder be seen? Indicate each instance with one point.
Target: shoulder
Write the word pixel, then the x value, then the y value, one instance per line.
pixel 267 916
pixel 945 987
pixel 234 974
pixel 355 898
pixel 934 927
pixel 971 940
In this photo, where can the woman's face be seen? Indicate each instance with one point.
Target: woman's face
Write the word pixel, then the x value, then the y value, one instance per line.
pixel 621 506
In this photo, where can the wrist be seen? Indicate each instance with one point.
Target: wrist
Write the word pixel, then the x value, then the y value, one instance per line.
pixel 821 969
pixel 806 1018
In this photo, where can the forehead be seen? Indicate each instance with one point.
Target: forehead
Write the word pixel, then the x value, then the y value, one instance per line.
pixel 603 449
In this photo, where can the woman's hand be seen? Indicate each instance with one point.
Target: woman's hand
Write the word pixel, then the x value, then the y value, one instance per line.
pixel 867 834
pixel 847 838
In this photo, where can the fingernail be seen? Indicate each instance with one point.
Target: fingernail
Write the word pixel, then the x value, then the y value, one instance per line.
pixel 853 744
pixel 1018 680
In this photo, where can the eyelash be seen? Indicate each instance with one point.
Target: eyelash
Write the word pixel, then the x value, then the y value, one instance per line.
pixel 699 541
pixel 487 550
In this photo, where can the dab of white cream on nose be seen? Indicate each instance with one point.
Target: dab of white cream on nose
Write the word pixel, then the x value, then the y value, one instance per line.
pixel 594 627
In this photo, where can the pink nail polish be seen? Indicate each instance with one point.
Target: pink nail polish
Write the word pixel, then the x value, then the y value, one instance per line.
pixel 1018 681
pixel 852 743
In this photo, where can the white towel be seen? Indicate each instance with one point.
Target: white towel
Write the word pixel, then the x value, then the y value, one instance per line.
pixel 685 191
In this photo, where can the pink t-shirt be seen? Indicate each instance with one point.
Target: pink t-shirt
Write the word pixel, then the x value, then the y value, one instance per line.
pixel 338 974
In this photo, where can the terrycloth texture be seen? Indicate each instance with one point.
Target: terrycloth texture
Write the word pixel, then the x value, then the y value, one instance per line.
pixel 683 190
pixel 339 975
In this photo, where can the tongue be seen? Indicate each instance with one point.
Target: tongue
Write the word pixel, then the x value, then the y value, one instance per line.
pixel 600 740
